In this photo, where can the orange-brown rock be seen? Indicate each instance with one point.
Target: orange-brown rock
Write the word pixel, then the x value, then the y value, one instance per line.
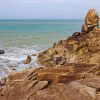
pixel 83 48
pixel 66 73
pixel 91 21
pixel 62 83
pixel 28 60
pixel 73 91
pixel 79 48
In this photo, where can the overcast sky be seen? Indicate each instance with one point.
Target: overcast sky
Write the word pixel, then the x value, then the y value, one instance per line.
pixel 46 9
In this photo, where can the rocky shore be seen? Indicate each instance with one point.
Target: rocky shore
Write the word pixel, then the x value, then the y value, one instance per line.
pixel 81 47
pixel 71 69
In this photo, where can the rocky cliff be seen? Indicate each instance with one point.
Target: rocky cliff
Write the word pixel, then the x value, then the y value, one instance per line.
pixel 81 47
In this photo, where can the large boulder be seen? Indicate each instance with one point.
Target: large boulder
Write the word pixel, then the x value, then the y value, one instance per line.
pixel 2 51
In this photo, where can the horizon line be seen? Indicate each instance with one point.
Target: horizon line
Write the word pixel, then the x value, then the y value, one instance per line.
pixel 41 19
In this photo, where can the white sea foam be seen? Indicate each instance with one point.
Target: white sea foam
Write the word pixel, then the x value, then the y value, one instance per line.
pixel 13 59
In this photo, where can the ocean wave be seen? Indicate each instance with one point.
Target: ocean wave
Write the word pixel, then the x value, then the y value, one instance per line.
pixel 14 56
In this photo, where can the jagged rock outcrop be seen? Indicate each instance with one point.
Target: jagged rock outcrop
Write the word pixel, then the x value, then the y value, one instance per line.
pixel 91 22
pixel 68 82
pixel 79 48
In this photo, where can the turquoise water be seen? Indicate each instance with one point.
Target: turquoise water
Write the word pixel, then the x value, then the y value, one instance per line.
pixel 20 38
pixel 36 32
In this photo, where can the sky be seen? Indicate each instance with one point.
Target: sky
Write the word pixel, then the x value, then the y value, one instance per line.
pixel 46 9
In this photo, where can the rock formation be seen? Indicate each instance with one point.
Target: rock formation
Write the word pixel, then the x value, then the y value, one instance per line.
pixel 91 21
pixel 71 70
pixel 2 51
pixel 28 60
pixel 79 48
pixel 68 82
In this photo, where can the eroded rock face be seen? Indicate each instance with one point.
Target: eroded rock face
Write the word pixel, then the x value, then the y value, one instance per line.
pixel 62 83
pixel 79 48
pixel 72 91
pixel 84 48
pixel 91 21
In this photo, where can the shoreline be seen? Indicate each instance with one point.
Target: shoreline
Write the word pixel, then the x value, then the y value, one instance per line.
pixel 70 69
pixel 12 59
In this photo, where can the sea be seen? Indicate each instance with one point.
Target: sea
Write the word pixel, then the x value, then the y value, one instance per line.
pixel 19 38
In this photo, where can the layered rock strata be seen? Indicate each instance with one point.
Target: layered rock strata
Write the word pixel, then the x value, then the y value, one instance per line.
pixel 68 82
